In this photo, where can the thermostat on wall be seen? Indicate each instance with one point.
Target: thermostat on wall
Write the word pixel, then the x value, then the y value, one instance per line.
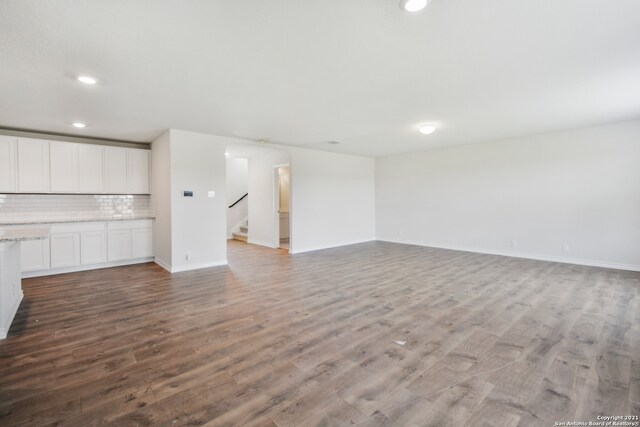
pixel 187 193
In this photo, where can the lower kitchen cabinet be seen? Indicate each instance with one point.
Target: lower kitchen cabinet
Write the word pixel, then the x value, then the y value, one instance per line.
pixel 93 247
pixel 34 255
pixel 65 249
pixel 86 245
pixel 119 244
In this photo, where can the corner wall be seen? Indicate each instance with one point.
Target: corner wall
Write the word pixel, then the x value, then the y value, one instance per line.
pixel 332 199
pixel 569 196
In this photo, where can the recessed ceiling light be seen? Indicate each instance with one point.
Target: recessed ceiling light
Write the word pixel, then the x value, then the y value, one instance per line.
pixel 88 80
pixel 78 125
pixel 427 129
pixel 226 153
pixel 413 5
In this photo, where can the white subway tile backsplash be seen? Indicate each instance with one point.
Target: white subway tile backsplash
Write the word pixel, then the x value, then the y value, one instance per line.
pixel 16 208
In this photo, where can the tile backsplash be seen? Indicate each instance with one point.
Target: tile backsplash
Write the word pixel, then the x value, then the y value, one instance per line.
pixel 24 208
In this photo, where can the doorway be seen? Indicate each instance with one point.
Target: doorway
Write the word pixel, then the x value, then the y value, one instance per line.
pixel 258 197
pixel 282 178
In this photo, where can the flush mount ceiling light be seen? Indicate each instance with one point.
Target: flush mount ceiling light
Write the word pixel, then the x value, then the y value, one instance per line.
pixel 88 80
pixel 427 129
pixel 413 5
pixel 79 125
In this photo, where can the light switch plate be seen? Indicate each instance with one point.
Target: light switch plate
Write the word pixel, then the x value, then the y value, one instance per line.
pixel 211 194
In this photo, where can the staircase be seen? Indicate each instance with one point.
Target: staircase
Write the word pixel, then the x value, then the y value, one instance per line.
pixel 242 234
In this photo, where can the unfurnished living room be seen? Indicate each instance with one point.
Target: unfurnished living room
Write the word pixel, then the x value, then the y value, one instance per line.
pixel 319 213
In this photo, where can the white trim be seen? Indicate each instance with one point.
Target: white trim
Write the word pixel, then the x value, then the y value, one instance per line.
pixel 334 245
pixel 525 255
pixel 162 264
pixel 261 243
pixel 14 310
pixel 52 271
pixel 182 268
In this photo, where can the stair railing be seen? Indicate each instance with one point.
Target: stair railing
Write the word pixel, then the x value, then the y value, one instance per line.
pixel 238 201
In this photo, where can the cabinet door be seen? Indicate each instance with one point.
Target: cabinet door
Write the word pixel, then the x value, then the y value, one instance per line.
pixel 63 160
pixel 93 247
pixel 115 170
pixel 34 255
pixel 65 250
pixel 118 245
pixel 33 165
pixel 138 168
pixel 91 169
pixel 8 164
pixel 142 243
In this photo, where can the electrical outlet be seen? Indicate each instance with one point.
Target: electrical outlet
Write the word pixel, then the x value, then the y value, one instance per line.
pixel 566 247
pixel 188 256
pixel 514 244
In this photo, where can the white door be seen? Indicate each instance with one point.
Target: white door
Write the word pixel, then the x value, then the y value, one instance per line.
pixel 138 168
pixel 34 255
pixel 115 170
pixel 65 250
pixel 93 247
pixel 8 164
pixel 33 165
pixel 64 167
pixel 118 245
pixel 90 165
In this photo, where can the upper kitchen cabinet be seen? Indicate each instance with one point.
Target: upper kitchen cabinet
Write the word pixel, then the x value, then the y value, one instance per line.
pixel 64 165
pixel 33 166
pixel 115 174
pixel 138 171
pixel 30 165
pixel 8 165
pixel 91 168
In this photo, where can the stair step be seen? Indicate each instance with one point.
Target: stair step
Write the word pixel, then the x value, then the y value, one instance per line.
pixel 244 229
pixel 240 236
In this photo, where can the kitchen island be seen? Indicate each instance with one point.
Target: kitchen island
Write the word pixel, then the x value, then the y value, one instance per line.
pixel 10 276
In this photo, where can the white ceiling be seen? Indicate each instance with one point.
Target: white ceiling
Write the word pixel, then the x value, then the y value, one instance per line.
pixel 304 72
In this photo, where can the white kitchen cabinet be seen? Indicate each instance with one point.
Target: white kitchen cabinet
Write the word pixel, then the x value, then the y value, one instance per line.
pixel 33 166
pixel 64 164
pixel 90 169
pixel 8 164
pixel 118 245
pixel 142 242
pixel 93 247
pixel 115 163
pixel 34 255
pixel 138 171
pixel 65 249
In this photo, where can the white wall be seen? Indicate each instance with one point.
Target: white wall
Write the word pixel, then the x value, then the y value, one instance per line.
pixel 580 188
pixel 161 196
pixel 198 224
pixel 237 186
pixel 263 215
pixel 332 199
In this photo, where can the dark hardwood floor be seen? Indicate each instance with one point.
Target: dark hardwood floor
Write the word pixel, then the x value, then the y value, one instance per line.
pixel 376 334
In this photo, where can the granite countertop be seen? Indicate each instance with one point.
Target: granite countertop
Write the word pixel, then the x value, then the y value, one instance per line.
pixel 80 219
pixel 18 235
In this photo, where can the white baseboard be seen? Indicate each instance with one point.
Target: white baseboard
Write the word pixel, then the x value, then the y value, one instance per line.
pixel 295 250
pixel 4 330
pixel 525 255
pixel 261 243
pixel 163 264
pixel 52 271
pixel 181 268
